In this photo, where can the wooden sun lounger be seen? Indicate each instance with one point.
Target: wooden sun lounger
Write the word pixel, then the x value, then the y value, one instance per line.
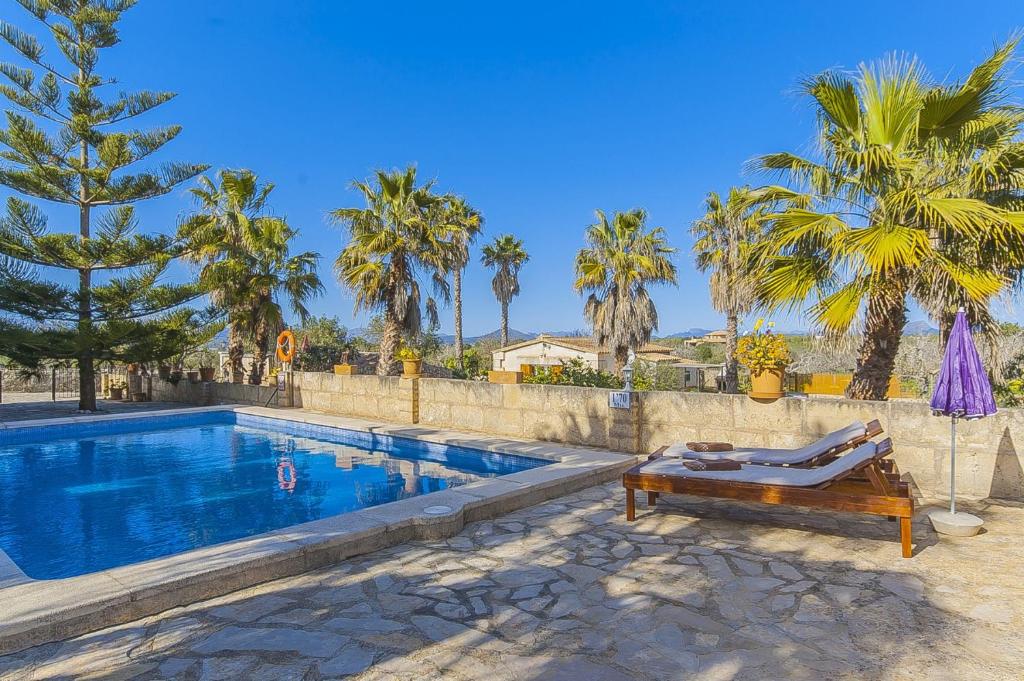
pixel 876 494
pixel 871 430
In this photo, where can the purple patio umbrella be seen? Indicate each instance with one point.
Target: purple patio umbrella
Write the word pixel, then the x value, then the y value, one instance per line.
pixel 962 391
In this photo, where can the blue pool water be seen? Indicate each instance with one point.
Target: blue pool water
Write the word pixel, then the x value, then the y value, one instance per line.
pixel 87 497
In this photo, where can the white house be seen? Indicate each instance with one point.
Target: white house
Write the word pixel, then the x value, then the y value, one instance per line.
pixel 714 338
pixel 547 351
pixel 700 375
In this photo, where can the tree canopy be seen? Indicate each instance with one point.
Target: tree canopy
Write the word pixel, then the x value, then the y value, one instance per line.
pixel 68 140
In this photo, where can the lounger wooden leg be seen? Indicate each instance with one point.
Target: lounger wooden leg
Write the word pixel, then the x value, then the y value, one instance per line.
pixel 630 504
pixel 652 498
pixel 905 537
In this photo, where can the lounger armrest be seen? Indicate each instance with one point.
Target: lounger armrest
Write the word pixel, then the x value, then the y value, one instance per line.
pixel 657 454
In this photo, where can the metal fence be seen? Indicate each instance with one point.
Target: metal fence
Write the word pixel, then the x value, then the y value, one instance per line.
pixel 53 383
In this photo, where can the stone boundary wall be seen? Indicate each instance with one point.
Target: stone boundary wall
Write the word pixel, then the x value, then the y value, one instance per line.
pixel 215 393
pixel 990 452
pixel 388 398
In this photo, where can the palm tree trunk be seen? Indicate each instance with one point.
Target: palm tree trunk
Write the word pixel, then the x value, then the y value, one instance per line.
pixel 732 379
pixel 457 305
pixel 259 355
pixel 887 315
pixel 504 324
pixel 389 339
pixel 621 358
pixel 236 351
pixel 945 327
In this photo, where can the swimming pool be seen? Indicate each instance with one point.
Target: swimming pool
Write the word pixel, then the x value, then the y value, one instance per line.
pixel 83 497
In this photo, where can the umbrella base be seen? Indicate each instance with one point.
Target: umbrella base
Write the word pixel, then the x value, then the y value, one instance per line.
pixel 955 524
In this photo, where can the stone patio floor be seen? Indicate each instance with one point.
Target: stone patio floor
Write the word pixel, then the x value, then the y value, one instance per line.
pixel 569 590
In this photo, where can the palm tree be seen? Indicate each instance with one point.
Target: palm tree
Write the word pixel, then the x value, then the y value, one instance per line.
pixel 725 244
pixel 271 274
pixel 888 214
pixel 466 223
pixel 398 237
pixel 987 162
pixel 507 256
pixel 620 260
pixel 245 263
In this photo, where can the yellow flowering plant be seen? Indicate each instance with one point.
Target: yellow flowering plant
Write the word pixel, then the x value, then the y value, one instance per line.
pixel 407 354
pixel 763 351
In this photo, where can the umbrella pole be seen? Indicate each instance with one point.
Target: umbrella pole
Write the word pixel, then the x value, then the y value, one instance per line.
pixel 952 465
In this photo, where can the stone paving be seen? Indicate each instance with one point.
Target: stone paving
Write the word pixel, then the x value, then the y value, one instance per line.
pixel 30 406
pixel 569 590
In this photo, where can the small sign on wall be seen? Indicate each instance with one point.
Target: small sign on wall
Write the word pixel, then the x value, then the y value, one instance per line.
pixel 620 399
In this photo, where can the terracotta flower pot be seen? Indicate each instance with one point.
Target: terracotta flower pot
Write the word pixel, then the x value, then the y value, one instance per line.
pixel 164 372
pixel 193 376
pixel 411 368
pixel 206 374
pixel 117 393
pixel 767 385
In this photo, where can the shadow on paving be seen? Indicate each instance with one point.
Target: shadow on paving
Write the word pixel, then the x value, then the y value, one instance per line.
pixel 567 590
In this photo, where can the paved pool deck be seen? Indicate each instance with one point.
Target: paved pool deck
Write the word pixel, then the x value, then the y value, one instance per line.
pixel 569 590
pixel 33 406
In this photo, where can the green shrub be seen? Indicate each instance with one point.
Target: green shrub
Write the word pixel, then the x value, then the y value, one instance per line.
pixel 473 361
pixel 574 372
pixel 649 376
pixel 1011 393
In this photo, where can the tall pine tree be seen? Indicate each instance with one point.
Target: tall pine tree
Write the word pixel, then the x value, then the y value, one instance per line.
pixel 69 140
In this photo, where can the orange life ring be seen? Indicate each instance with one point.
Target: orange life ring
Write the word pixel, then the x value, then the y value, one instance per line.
pixel 286 477
pixel 286 337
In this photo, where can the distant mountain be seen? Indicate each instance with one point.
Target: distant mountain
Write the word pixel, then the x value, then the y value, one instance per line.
pixel 514 336
pixel 919 328
pixel 689 333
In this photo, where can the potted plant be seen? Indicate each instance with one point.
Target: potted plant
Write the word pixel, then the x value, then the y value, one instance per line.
pixel 344 367
pixel 207 361
pixel 193 376
pixel 164 372
pixel 117 389
pixel 766 354
pixel 412 365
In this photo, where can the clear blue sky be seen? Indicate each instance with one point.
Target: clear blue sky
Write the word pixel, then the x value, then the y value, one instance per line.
pixel 537 112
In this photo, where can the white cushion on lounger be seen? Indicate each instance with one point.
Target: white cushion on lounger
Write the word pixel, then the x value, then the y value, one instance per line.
pixel 775 456
pixel 766 475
